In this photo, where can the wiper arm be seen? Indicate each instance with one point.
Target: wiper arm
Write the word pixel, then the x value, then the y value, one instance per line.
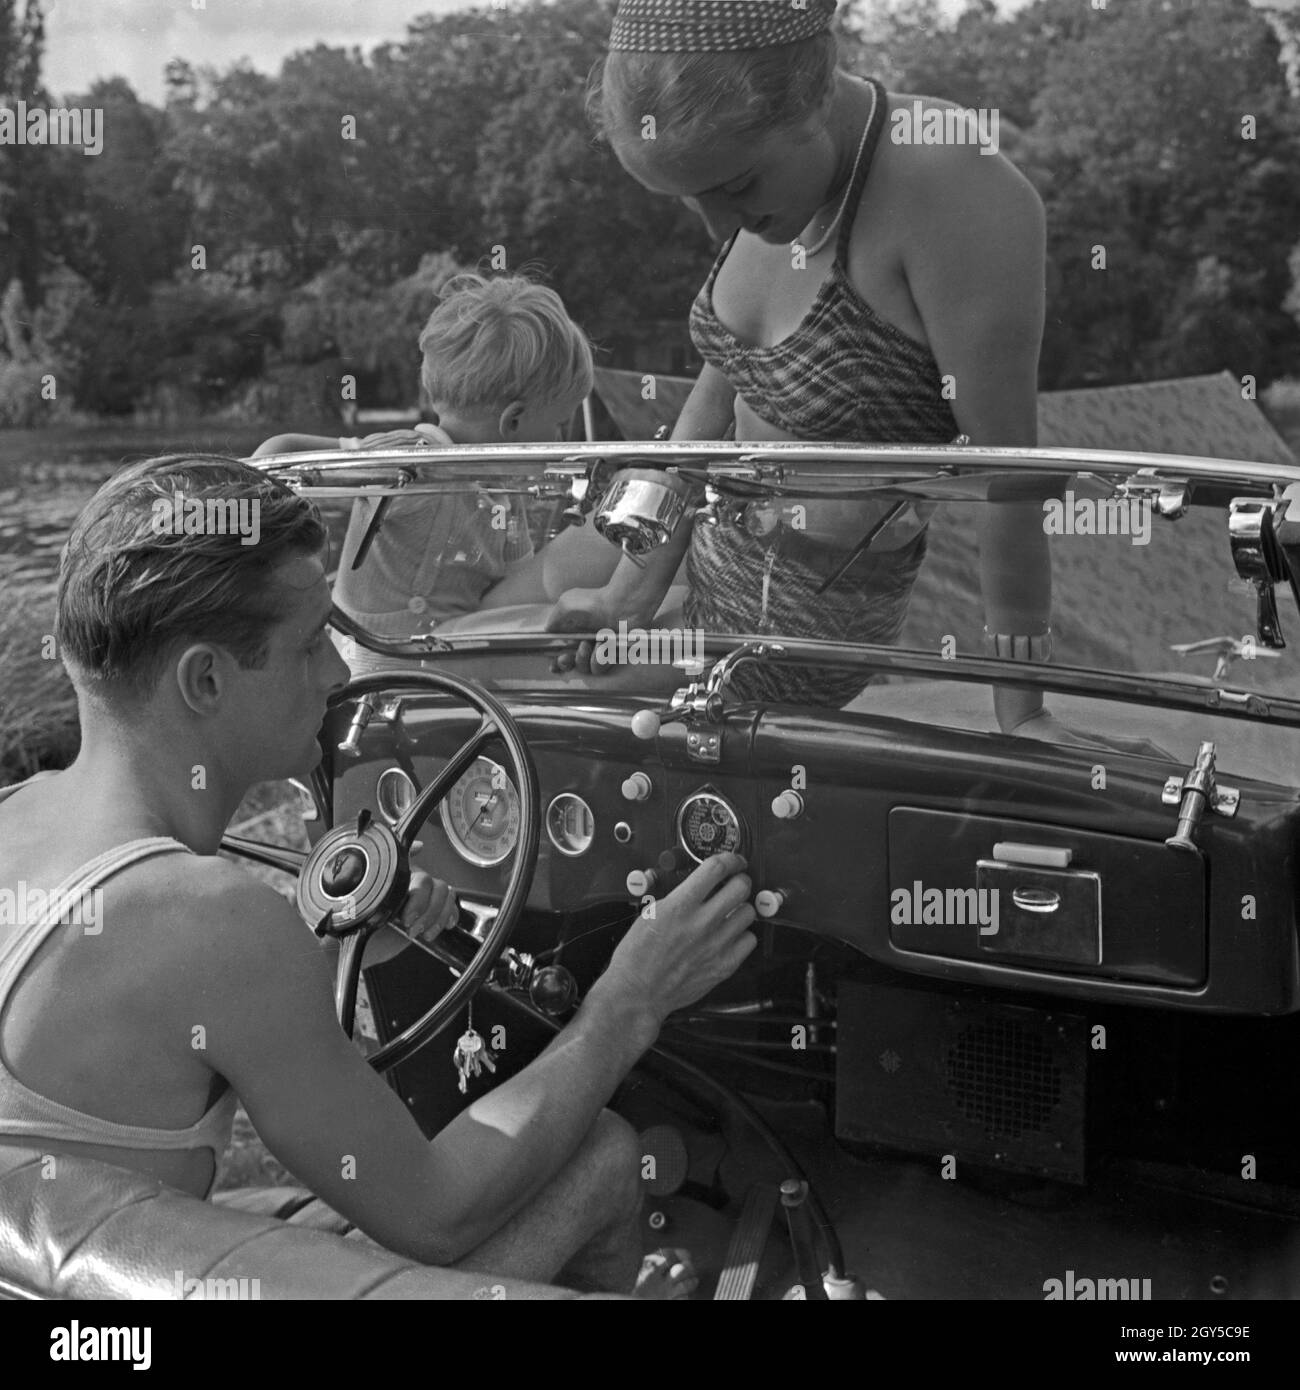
pixel 862 545
pixel 372 530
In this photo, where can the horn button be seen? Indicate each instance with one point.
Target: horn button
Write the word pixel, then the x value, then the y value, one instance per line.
pixel 356 876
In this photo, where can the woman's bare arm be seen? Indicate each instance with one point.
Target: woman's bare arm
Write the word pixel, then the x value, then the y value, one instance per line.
pixel 634 592
pixel 709 409
pixel 976 270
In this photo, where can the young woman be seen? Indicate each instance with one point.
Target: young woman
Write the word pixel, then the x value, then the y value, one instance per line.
pixel 869 289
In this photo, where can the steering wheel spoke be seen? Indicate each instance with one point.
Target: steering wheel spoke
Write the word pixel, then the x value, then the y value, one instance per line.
pixel 437 790
pixel 276 856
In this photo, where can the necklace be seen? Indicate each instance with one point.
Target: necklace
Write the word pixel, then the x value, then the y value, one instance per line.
pixel 834 222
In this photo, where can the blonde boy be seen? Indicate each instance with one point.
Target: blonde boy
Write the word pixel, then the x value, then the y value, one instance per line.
pixel 502 363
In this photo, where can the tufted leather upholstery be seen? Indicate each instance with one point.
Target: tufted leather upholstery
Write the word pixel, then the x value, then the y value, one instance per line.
pixel 100 1232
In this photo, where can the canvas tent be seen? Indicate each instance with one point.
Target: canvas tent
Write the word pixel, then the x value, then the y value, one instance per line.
pixel 1190 415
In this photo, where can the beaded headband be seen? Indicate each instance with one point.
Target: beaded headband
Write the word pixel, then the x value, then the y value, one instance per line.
pixel 715 26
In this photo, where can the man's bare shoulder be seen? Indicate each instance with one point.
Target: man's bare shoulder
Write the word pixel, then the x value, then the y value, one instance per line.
pixel 210 913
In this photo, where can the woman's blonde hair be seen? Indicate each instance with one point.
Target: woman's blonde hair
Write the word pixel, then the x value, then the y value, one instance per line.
pixel 715 96
pixel 500 339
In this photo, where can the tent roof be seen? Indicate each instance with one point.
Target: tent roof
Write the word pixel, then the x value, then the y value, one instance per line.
pixel 1202 415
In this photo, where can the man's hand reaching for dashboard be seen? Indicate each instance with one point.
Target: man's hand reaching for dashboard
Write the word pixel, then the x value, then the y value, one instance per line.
pixel 679 948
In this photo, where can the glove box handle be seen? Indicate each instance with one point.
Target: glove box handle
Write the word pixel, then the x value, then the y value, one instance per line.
pixel 1036 856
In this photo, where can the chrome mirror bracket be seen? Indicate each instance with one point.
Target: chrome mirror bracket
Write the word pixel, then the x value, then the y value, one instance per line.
pixel 1259 560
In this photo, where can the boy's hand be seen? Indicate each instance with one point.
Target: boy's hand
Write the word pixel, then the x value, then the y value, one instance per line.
pixel 680 947
pixel 399 439
pixel 579 610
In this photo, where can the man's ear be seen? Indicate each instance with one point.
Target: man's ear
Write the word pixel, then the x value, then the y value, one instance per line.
pixel 199 674
pixel 511 418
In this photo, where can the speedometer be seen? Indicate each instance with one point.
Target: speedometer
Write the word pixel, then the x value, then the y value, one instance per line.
pixel 707 825
pixel 481 814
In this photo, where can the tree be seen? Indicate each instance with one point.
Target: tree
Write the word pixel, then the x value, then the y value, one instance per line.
pixel 1130 123
pixel 1170 140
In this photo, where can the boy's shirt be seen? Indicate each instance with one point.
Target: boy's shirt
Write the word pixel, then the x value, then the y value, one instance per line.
pixel 433 558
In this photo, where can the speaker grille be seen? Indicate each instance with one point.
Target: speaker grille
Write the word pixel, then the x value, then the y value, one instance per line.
pixel 1003 1078
pixel 929 1072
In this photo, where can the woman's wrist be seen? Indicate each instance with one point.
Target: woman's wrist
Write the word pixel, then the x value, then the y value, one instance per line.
pixel 1033 645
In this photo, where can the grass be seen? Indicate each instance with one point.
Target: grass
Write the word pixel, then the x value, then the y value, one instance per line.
pixel 38 708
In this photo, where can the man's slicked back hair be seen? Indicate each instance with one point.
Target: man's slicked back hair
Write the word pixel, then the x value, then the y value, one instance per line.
pixel 129 589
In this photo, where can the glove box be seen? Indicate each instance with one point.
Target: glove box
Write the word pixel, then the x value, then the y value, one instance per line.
pixel 1014 893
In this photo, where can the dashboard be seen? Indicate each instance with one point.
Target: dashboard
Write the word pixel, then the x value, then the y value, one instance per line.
pixel 935 851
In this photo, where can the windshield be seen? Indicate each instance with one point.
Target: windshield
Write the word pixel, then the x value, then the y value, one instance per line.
pixel 495 555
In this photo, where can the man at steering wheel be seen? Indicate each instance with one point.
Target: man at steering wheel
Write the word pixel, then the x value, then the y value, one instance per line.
pixel 192 614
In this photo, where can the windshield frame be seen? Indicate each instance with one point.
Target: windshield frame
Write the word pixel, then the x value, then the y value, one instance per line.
pixel 561 470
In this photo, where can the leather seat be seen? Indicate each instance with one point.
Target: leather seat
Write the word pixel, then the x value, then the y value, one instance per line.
pixel 99 1232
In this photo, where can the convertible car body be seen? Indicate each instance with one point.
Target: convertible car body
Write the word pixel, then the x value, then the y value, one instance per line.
pixel 1023 1018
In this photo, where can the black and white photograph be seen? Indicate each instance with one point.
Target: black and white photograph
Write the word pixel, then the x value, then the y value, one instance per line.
pixel 650 651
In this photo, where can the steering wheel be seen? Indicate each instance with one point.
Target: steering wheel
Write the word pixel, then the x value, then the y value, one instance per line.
pixel 356 878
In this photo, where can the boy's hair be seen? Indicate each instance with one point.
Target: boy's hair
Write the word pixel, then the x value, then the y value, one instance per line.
pixel 492 341
pixel 695 97
pixel 130 585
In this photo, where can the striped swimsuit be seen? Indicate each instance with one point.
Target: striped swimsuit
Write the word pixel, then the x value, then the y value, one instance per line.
pixel 843 374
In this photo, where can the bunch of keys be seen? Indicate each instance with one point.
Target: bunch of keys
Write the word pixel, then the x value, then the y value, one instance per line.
pixel 472 1054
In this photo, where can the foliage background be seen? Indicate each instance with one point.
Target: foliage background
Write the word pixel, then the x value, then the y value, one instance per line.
pixel 322 254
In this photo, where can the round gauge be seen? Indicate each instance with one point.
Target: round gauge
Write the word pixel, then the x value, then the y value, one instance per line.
pixel 570 824
pixel 481 814
pixel 707 825
pixel 394 794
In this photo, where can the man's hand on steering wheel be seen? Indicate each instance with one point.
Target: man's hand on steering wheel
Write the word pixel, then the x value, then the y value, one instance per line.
pixel 430 909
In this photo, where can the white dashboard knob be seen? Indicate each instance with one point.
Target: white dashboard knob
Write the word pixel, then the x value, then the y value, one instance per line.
pixel 787 806
pixel 640 882
pixel 645 724
pixel 637 787
pixel 769 902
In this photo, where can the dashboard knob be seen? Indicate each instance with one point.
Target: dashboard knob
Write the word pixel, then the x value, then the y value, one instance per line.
pixel 645 724
pixel 769 902
pixel 641 881
pixel 787 806
pixel 675 861
pixel 637 787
